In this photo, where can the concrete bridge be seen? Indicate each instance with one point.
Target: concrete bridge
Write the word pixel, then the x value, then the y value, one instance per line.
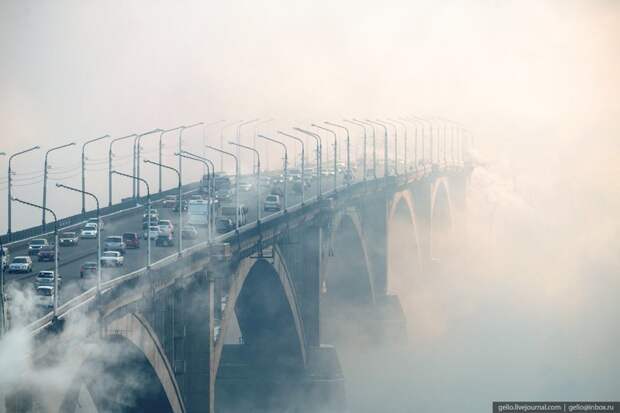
pixel 252 321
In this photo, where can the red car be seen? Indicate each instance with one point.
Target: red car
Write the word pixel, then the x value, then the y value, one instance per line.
pixel 131 240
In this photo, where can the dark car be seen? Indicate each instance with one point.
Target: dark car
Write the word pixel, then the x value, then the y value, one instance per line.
pixel 189 232
pixel 47 253
pixel 183 206
pixel 88 268
pixel 169 201
pixel 164 240
pixel 131 240
pixel 223 225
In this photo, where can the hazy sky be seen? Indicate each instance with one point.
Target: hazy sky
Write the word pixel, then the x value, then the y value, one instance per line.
pixel 510 70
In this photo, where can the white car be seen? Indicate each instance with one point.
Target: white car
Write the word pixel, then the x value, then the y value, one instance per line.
pixel 94 221
pixel 152 232
pixel 21 264
pixel 112 259
pixel 272 203
pixel 44 296
pixel 89 231
pixel 46 278
pixel 165 226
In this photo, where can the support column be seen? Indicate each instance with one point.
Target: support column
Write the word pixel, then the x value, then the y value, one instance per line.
pixel 374 225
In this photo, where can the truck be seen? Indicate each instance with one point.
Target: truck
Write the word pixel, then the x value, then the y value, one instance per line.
pixel 198 212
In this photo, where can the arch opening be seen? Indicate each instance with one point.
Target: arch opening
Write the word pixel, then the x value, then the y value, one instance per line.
pixel 441 223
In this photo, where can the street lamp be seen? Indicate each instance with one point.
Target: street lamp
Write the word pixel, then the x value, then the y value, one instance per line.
pixel 148 203
pixel 239 126
pixel 256 129
pixel 180 149
pixel 56 274
pixel 348 148
pixel 84 168
pixel 405 148
pixel 430 143
pixel 81 191
pixel 363 126
pixel 385 145
pixel 395 145
pixel 210 175
pixel 136 159
pixel 303 167
pixel 161 135
pixel 285 164
pixel 45 179
pixel 222 141
pixel 319 150
pixel 236 181
pixel 335 152
pixel 205 126
pixel 180 244
pixel 110 155
pixel 10 177
pixel 249 148
pixel 374 146
pixel 416 123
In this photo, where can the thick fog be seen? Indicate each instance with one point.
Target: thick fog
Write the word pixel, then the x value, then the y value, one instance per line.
pixel 526 306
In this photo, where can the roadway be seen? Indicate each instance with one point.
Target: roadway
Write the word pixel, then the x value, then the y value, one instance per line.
pixel 72 258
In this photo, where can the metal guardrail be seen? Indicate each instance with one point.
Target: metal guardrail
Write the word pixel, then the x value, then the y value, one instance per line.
pixel 87 297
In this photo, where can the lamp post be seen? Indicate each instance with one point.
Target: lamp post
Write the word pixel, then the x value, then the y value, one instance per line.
pixel 430 142
pixel 335 152
pixel 180 149
pixel 416 123
pixel 148 203
pixel 44 208
pixel 374 146
pixel 205 126
pixel 395 144
pixel 161 135
pixel 110 155
pixel 210 174
pixel 363 126
pixel 10 177
pixel 405 163
pixel 385 145
pixel 303 166
pixel 285 165
pixel 84 168
pixel 348 148
pixel 180 186
pixel 84 193
pixel 319 150
pixel 238 136
pixel 249 148
pixel 236 181
pixel 56 274
pixel 222 140
pixel 256 129
pixel 136 159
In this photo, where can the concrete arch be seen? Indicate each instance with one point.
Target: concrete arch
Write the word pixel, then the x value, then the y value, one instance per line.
pixel 403 204
pixel 247 268
pixel 441 212
pixel 125 338
pixel 346 230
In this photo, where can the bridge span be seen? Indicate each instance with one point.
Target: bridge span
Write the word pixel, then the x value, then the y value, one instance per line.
pixel 251 321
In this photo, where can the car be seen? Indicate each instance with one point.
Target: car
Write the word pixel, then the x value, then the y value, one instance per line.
pixel 272 203
pixel 169 201
pixel 183 206
pixel 4 251
pixel 44 296
pixel 224 225
pixel 47 253
pixel 89 231
pixel 112 259
pixel 189 232
pixel 223 195
pixel 114 243
pixel 21 264
pixel 46 278
pixel 88 268
pixel 68 239
pixel 131 240
pixel 97 222
pixel 165 225
pixel 245 186
pixel 164 240
pixel 152 233
pixel 35 245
